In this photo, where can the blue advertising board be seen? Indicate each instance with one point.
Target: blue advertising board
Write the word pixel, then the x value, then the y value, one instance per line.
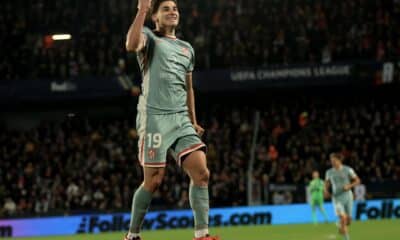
pixel 258 215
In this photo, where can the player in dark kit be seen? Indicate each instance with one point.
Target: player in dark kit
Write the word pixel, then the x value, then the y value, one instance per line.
pixel 166 119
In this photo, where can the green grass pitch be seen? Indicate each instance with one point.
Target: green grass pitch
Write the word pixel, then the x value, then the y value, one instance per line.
pixel 370 230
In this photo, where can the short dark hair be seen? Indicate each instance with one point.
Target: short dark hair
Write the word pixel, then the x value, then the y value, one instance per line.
pixel 156 4
pixel 337 155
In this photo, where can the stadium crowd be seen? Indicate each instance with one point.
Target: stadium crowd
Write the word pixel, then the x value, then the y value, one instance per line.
pixel 233 33
pixel 82 165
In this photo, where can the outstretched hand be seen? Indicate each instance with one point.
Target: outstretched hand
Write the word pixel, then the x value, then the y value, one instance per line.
pixel 144 4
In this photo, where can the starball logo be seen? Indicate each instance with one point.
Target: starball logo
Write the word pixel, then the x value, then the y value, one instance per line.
pixel 387 209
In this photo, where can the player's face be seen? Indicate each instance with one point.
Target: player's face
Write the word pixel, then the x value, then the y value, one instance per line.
pixel 167 14
pixel 335 162
pixel 315 175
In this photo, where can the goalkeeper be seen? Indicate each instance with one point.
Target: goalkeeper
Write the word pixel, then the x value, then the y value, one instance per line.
pixel 316 190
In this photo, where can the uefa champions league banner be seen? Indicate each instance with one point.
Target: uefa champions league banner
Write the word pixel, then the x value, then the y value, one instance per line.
pixel 361 73
pixel 358 73
pixel 260 215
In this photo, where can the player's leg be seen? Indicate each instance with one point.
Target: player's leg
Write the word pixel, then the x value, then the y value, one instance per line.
pixel 142 199
pixel 348 220
pixel 313 211
pixel 153 144
pixel 196 167
pixel 345 230
pixel 348 207
pixel 340 212
pixel 189 152
pixel 343 226
pixel 349 210
pixel 322 209
pixel 346 212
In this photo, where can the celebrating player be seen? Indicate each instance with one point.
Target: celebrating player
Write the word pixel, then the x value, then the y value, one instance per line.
pixel 316 189
pixel 343 179
pixel 166 119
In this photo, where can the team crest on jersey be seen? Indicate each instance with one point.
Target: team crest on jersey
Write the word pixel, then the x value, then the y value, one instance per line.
pixel 151 153
pixel 185 51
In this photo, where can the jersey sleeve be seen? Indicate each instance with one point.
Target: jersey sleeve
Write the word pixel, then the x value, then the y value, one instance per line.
pixel 310 186
pixel 192 60
pixel 352 173
pixel 149 36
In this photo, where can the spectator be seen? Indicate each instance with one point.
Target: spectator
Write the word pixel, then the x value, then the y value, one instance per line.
pixel 278 198
pixel 91 165
pixel 224 34
pixel 360 192
pixel 9 208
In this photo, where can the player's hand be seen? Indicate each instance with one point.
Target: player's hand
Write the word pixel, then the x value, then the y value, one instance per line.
pixel 347 187
pixel 144 5
pixel 199 129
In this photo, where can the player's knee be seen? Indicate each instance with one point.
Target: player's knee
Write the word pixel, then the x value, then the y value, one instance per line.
pixel 205 175
pixel 348 221
pixel 153 183
pixel 343 220
pixel 202 177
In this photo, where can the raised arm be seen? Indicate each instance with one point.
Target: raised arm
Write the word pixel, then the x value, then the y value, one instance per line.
pixel 135 39
pixel 191 104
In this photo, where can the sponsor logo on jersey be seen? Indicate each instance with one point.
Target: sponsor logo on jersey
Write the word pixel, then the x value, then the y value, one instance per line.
pixel 151 153
pixel 185 51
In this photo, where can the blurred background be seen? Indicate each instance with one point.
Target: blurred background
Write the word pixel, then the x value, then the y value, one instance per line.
pixel 279 85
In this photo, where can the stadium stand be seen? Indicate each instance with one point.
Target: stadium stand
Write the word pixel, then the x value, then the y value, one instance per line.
pixel 241 33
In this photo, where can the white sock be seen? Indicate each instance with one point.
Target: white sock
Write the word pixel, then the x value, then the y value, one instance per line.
pixel 200 233
pixel 133 235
